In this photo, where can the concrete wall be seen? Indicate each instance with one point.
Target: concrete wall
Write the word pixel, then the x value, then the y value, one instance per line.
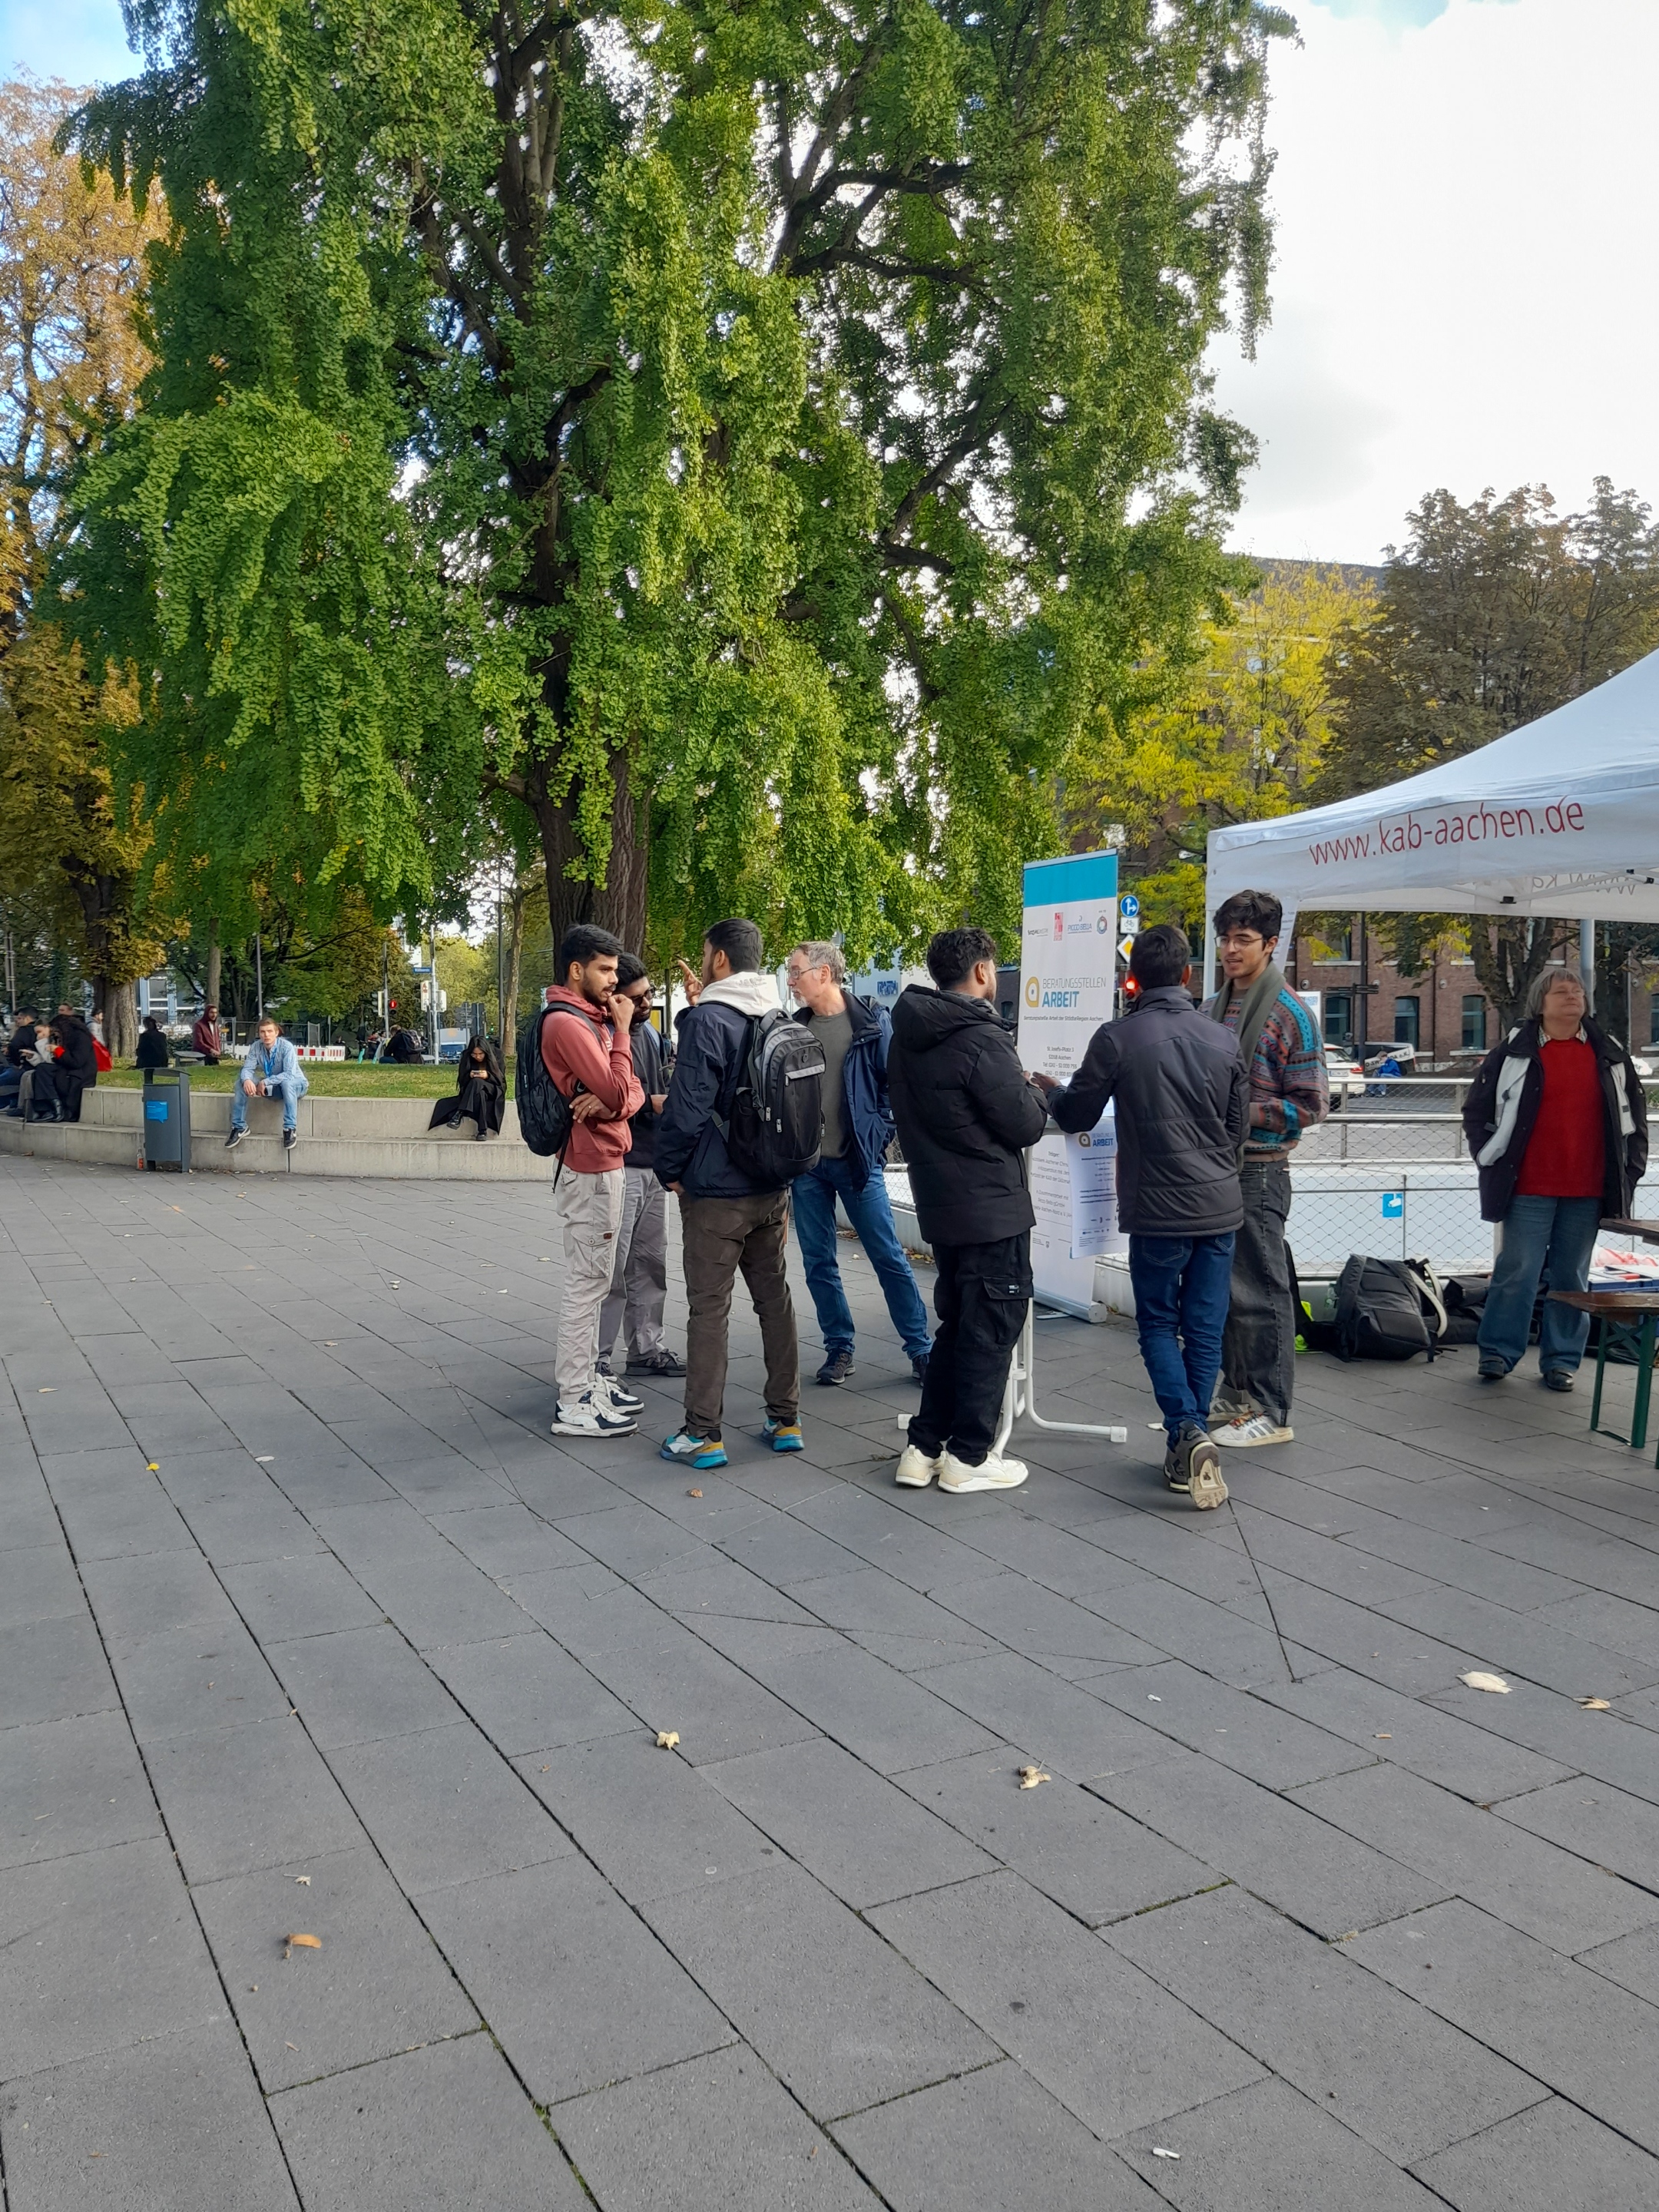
pixel 375 1137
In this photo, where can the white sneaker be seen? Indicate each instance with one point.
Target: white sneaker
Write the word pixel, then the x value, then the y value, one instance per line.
pixel 607 1388
pixel 916 1470
pixel 956 1476
pixel 591 1416
pixel 1256 1429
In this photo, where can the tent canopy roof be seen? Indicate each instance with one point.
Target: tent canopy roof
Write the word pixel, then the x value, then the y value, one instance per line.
pixel 1560 817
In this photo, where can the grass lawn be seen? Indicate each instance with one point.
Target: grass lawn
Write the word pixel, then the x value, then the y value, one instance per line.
pixel 328 1079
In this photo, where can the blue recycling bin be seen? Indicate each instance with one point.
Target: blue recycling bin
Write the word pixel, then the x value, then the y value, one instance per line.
pixel 167 1119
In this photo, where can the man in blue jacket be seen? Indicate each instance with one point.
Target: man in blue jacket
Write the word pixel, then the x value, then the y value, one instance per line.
pixel 857 1127
pixel 726 1222
pixel 271 1070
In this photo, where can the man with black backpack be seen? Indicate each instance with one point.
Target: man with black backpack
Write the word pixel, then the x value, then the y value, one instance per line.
pixel 744 1117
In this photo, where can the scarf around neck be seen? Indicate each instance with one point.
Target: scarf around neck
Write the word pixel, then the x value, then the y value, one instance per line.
pixel 1258 1003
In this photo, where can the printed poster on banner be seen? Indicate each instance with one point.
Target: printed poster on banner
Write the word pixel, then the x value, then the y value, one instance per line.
pixel 1068 982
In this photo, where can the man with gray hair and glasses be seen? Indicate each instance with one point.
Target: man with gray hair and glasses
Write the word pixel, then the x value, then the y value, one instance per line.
pixel 857 1127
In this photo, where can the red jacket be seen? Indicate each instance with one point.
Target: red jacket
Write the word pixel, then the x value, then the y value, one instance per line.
pixel 590 1053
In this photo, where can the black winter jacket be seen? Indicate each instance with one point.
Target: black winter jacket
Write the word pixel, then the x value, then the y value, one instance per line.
pixel 966 1115
pixel 1502 1108
pixel 1182 1105
pixel 711 1041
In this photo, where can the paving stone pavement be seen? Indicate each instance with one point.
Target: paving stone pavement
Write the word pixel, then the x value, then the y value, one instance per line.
pixel 307 1626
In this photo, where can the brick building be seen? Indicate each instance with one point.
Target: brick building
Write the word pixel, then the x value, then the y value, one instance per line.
pixel 1445 1014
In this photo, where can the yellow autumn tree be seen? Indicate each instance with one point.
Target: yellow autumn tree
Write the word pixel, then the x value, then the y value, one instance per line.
pixel 72 353
pixel 1236 732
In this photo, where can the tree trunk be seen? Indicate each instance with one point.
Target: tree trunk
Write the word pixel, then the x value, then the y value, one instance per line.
pixel 514 953
pixel 210 987
pixel 618 904
pixel 1508 957
pixel 119 1004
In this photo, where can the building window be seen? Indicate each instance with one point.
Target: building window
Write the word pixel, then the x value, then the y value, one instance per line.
pixel 1474 1023
pixel 1653 1020
pixel 1326 951
pixel 1338 1016
pixel 1405 1011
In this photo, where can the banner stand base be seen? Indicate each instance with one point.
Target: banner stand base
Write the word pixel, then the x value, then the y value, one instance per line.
pixel 1019 1399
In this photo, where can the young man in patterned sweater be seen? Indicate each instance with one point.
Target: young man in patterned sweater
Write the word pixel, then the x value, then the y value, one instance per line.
pixel 1279 1043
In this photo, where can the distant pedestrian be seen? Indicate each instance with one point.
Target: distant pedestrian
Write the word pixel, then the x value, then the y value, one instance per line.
pixel 639 1280
pixel 851 1169
pixel 152 1044
pixel 207 1037
pixel 730 1219
pixel 1290 1092
pixel 1557 1122
pixel 966 1115
pixel 584 1049
pixel 270 1069
pixel 1182 1101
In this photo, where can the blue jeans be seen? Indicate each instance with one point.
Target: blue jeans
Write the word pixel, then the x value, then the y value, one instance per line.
pixel 1180 1286
pixel 1559 1232
pixel 814 1194
pixel 289 1089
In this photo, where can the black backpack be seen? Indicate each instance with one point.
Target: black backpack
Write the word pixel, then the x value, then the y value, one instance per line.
pixel 776 1124
pixel 1387 1310
pixel 545 1120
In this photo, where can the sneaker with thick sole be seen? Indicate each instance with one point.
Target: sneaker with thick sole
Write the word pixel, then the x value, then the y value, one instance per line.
pixel 234 1138
pixel 590 1416
pixel 1204 1484
pixel 687 1450
pixel 782 1436
pixel 1557 1378
pixel 836 1368
pixel 290 1138
pixel 655 1363
pixel 916 1470
pixel 993 1473
pixel 1258 1428
pixel 620 1400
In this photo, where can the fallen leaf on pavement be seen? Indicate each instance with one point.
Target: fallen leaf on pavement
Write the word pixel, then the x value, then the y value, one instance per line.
pixel 667 1738
pixel 1158 2152
pixel 694 1493
pixel 304 1942
pixel 1595 1704
pixel 304 1879
pixel 1477 1681
pixel 1030 1776
pixel 1383 1737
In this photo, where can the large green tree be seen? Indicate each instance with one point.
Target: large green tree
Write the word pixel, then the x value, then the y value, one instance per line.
pixel 751 436
pixel 1493 612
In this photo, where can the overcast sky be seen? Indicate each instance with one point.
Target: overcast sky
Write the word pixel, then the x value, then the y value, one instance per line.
pixel 1468 285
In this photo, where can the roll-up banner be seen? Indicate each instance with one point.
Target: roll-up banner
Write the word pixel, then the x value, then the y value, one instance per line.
pixel 1068 979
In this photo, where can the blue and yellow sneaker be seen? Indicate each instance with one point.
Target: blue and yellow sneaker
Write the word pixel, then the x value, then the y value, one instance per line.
pixel 783 1435
pixel 687 1450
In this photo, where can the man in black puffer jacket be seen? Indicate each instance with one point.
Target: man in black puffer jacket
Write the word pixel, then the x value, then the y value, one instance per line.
pixel 1182 1099
pixel 966 1113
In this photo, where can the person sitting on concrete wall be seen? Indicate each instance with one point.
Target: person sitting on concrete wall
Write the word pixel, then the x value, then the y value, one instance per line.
pixel 152 1044
pixel 272 1070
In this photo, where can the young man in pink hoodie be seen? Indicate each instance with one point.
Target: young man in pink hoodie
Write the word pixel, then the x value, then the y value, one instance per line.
pixel 584 1049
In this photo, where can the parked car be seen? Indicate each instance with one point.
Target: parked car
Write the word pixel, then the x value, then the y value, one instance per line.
pixel 1347 1077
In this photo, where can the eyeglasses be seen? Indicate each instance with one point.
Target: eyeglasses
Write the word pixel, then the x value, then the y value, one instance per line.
pixel 800 975
pixel 1241 940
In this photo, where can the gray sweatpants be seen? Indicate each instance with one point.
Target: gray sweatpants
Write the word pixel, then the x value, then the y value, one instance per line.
pixel 639 1283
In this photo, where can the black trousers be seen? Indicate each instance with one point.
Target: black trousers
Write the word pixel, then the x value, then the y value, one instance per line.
pixel 981 1299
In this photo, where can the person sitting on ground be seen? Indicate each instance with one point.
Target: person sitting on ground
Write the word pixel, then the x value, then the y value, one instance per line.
pixel 272 1070
pixel 857 1127
pixel 480 1091
pixel 1182 1101
pixel 727 1221
pixel 152 1044
pixel 403 1047
pixel 639 1281
pixel 1558 1125
pixel 966 1115
pixel 207 1037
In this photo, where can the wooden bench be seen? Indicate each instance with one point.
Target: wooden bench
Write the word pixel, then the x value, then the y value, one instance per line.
pixel 1629 1322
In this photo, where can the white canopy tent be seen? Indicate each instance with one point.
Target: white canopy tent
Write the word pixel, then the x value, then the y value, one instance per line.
pixel 1558 818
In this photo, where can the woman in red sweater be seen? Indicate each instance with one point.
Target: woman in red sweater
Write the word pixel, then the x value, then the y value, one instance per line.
pixel 1557 1122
